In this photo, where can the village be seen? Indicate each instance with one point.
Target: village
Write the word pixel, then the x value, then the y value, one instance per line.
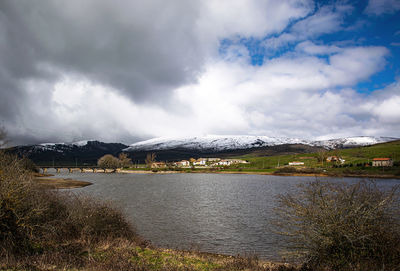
pixel 200 163
pixel 219 162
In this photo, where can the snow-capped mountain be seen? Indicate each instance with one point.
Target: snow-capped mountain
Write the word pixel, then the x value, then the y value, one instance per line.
pixel 222 143
pixel 349 142
pixel 60 146
pixel 88 151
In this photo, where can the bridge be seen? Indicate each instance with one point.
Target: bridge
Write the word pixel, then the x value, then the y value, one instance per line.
pixel 71 169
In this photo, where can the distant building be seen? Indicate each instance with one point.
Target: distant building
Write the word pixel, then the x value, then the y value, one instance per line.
pixel 200 162
pixel 382 162
pixel 223 163
pixel 183 163
pixel 213 159
pixel 296 163
pixel 158 165
pixel 228 162
pixel 335 159
pixel 237 161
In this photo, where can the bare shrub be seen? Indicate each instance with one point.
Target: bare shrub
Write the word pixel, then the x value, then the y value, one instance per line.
pixel 150 159
pixel 17 215
pixel 108 161
pixel 33 219
pixel 342 226
pixel 286 170
pixel 93 221
pixel 124 160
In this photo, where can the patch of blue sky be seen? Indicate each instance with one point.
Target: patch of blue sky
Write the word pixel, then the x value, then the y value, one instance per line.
pixel 358 29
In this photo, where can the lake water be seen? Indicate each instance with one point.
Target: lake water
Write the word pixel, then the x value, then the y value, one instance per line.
pixel 219 213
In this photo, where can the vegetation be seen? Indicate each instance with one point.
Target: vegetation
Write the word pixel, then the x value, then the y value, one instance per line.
pixel 342 227
pixel 357 162
pixel 42 229
pixel 108 161
pixel 150 159
pixel 124 160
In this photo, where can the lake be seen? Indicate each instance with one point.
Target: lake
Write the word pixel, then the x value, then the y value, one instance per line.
pixel 218 213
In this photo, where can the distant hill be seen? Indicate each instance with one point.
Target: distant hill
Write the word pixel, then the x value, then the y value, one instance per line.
pixel 82 152
pixel 218 143
pixel 168 149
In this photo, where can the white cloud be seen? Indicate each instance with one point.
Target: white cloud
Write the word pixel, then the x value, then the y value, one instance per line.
pixel 327 19
pixel 380 7
pixel 314 49
pixel 152 69
pixel 292 96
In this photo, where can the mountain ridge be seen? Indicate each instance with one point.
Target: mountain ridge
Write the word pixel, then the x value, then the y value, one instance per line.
pixel 89 151
pixel 223 143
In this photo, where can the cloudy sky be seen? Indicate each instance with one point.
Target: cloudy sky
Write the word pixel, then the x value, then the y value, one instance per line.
pixel 127 70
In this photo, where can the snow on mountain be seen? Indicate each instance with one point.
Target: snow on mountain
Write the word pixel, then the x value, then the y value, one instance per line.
pixel 221 143
pixel 355 141
pixel 59 146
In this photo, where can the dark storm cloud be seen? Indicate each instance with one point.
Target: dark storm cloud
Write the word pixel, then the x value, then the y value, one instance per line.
pixel 125 70
pixel 129 46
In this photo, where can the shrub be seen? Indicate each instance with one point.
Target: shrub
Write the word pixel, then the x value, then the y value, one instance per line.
pixel 286 170
pixel 33 218
pixel 108 162
pixel 16 212
pixel 342 226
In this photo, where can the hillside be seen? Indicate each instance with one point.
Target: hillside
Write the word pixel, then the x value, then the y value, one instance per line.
pixel 221 143
pixel 82 152
pixel 173 149
pixel 355 160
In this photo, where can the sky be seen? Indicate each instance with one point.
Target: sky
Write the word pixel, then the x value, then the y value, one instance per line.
pixel 130 70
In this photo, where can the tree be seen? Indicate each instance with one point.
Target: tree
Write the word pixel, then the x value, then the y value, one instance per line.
pixel 150 159
pixel 338 226
pixel 322 155
pixel 124 160
pixel 3 138
pixel 108 162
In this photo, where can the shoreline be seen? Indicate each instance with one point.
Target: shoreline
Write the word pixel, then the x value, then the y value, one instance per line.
pixel 127 171
pixel 60 183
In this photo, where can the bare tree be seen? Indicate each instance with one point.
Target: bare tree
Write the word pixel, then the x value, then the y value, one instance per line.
pixel 150 159
pixel 322 155
pixel 338 226
pixel 108 162
pixel 3 138
pixel 124 160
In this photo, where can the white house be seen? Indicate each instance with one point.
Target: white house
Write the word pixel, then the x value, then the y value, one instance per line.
pixel 296 163
pixel 200 162
pixel 183 163
pixel 223 163
pixel 382 162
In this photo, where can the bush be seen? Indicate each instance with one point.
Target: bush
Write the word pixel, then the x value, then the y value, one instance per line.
pixel 342 226
pixel 286 170
pixel 33 218
pixel 17 215
pixel 108 162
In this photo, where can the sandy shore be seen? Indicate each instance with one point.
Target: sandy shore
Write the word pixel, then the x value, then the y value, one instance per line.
pixel 59 183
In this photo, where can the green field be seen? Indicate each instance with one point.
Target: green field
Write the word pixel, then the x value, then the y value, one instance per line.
pixel 355 160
